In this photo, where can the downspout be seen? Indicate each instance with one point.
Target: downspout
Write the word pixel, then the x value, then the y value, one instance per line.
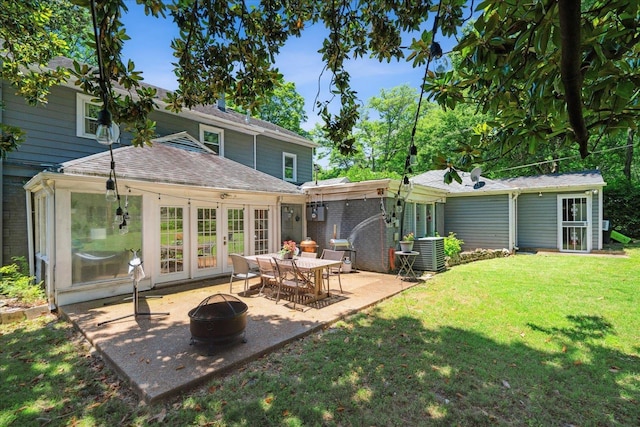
pixel 51 238
pixel 513 220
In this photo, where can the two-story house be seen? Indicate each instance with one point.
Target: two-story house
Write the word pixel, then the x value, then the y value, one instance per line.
pixel 214 182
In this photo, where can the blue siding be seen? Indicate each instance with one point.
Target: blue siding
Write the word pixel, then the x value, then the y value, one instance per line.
pixel 480 221
pixel 269 158
pixel 538 221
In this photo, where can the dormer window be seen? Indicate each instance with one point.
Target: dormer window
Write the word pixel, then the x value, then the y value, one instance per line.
pixel 213 139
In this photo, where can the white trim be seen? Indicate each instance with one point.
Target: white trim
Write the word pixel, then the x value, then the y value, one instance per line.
pixel 286 156
pixel 589 226
pixel 211 129
pixel 81 101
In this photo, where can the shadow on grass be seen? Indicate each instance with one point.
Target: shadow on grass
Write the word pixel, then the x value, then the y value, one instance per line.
pixel 46 381
pixel 389 372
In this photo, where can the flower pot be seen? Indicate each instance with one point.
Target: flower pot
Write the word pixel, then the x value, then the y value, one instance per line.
pixel 406 245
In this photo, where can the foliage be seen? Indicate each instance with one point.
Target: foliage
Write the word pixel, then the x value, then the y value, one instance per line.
pixel 385 140
pixel 409 237
pixel 10 139
pixel 283 107
pixel 621 205
pixel 14 283
pixel 452 245
pixel 493 347
pixel 550 72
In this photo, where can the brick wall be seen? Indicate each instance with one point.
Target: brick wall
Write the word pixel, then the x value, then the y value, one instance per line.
pixel 14 219
pixel 361 222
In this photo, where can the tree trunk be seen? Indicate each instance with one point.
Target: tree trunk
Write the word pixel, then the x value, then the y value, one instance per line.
pixel 629 157
pixel 570 36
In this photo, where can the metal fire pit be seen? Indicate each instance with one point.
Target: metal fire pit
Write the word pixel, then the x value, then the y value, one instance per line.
pixel 218 319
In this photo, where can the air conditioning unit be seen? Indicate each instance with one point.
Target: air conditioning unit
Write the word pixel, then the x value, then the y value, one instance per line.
pixel 431 256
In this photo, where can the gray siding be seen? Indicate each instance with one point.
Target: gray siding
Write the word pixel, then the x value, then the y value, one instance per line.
pixel 481 222
pixel 537 221
pixel 269 158
pixel 50 132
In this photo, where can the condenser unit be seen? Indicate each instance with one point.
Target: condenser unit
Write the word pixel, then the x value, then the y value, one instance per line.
pixel 431 256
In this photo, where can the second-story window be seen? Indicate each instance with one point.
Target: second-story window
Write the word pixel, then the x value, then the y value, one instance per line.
pixel 289 167
pixel 213 138
pixel 86 116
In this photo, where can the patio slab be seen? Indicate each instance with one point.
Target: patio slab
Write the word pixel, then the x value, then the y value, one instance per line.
pixel 154 354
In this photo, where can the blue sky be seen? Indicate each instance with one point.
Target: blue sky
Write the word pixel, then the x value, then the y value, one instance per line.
pixel 299 62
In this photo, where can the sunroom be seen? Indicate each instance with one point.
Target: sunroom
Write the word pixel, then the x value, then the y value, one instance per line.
pixel 175 204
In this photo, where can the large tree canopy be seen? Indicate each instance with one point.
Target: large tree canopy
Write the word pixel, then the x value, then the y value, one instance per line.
pixel 545 69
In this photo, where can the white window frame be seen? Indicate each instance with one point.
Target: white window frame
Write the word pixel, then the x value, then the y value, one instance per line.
pixel 294 157
pixel 81 101
pixel 211 129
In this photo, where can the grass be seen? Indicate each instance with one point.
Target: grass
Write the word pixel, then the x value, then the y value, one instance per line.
pixel 525 340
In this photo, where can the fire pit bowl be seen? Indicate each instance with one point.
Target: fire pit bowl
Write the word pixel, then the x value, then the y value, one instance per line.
pixel 218 319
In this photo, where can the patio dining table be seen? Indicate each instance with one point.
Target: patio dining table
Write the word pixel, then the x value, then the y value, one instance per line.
pixel 311 266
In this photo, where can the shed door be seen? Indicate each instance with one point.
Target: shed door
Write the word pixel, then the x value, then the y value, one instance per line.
pixel 574 228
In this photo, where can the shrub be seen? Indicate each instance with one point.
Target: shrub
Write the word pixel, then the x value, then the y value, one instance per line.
pixel 15 284
pixel 452 245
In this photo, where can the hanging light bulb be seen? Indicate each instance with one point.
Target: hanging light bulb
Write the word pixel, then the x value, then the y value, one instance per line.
pixel 405 180
pixel 119 216
pixel 124 229
pixel 413 157
pixel 111 194
pixel 107 132
pixel 399 206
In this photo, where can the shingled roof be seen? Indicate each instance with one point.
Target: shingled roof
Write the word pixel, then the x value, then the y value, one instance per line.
pixel 178 159
pixel 533 183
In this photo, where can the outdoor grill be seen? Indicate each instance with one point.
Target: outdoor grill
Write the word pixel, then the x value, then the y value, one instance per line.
pixel 344 245
pixel 218 319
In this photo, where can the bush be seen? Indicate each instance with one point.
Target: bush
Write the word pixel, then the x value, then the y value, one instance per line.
pixel 15 284
pixel 621 205
pixel 452 245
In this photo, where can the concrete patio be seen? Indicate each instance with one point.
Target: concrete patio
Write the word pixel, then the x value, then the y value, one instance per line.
pixel 154 354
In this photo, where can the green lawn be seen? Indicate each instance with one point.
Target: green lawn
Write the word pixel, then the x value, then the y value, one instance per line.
pixel 525 340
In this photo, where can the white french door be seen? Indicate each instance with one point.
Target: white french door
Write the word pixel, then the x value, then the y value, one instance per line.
pixel 574 230
pixel 174 239
pixel 206 242
pixel 234 238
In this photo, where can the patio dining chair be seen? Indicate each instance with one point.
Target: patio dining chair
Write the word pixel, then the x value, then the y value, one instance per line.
pixel 267 272
pixel 291 281
pixel 241 270
pixel 334 256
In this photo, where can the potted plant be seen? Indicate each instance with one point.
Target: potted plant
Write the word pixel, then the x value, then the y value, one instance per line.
pixel 289 249
pixel 406 244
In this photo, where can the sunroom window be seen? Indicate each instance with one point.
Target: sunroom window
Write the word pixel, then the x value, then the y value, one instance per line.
pixel 98 250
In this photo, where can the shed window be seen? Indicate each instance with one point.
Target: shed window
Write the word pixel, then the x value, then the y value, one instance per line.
pixel 289 167
pixel 213 139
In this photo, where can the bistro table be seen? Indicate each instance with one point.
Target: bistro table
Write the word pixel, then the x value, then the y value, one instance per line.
pixel 406 259
pixel 311 266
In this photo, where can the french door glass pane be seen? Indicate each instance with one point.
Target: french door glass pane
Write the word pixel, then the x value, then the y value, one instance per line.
pixel 171 239
pixel 207 238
